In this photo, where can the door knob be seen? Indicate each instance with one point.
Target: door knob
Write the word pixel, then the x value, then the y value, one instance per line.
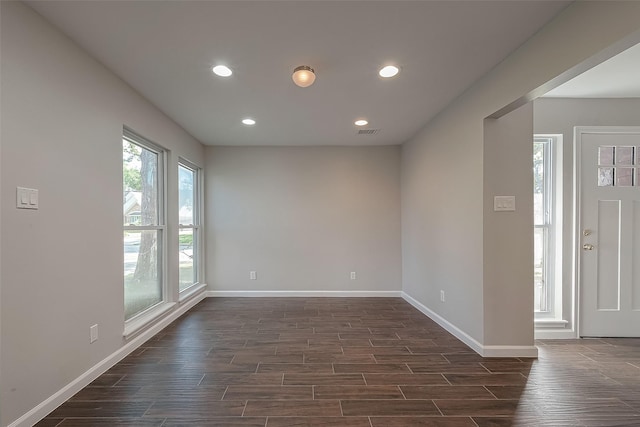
pixel 587 247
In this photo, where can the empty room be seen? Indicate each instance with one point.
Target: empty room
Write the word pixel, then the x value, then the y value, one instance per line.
pixel 319 213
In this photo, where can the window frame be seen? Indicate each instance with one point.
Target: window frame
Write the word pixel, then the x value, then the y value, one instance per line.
pixel 144 317
pixel 552 226
pixel 196 227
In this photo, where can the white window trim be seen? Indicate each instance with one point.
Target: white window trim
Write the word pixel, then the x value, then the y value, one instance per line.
pixel 150 316
pixel 145 318
pixel 554 317
pixel 197 286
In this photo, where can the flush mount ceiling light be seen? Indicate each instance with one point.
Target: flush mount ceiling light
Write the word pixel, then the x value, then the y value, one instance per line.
pixel 388 71
pixel 361 122
pixel 248 121
pixel 222 71
pixel 303 76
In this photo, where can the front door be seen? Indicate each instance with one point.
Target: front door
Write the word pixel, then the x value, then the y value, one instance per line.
pixel 608 163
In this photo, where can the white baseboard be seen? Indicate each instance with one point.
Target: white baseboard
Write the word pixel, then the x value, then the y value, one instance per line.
pixel 65 393
pixel 558 334
pixel 450 327
pixel 529 351
pixel 360 294
pixel 482 350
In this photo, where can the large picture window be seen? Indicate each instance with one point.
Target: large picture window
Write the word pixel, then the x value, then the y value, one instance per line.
pixel 189 224
pixel 143 224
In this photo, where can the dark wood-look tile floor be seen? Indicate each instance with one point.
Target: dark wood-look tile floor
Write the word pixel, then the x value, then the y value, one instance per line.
pixel 350 362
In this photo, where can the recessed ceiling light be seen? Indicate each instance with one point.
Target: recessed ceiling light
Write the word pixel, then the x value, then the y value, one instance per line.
pixel 248 122
pixel 222 71
pixel 388 71
pixel 361 122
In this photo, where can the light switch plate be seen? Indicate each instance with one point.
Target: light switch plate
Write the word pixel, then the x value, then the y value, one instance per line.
pixel 504 203
pixel 26 198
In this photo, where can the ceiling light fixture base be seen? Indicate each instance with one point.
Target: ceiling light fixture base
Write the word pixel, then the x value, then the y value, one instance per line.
pixel 303 76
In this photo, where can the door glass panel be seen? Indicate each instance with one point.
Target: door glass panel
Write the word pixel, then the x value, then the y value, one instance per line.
pixel 624 156
pixel 624 177
pixel 605 177
pixel 605 156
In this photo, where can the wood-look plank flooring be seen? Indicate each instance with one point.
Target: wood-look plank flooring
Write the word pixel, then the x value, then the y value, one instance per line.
pixel 350 362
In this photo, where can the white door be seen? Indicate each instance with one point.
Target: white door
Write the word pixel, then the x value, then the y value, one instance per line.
pixel 608 164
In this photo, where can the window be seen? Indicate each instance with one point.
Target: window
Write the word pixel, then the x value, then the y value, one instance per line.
pixel 143 224
pixel 189 224
pixel 547 226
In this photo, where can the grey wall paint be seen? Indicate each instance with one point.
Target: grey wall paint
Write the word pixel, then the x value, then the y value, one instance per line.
pixel 442 223
pixel 508 236
pixel 62 118
pixel 560 116
pixel 303 218
pixel 442 169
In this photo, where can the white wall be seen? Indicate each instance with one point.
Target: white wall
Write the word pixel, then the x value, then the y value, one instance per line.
pixel 560 116
pixel 443 230
pixel 303 218
pixel 62 119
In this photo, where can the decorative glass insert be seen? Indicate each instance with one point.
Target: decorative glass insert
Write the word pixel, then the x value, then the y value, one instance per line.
pixel 624 177
pixel 605 177
pixel 605 156
pixel 624 156
pixel 618 166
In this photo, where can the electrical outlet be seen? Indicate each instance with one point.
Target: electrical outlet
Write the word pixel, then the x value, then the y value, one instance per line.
pixel 93 334
pixel 253 275
pixel 353 275
pixel 441 296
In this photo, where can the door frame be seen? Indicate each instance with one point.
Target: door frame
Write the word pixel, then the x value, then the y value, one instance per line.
pixel 578 131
